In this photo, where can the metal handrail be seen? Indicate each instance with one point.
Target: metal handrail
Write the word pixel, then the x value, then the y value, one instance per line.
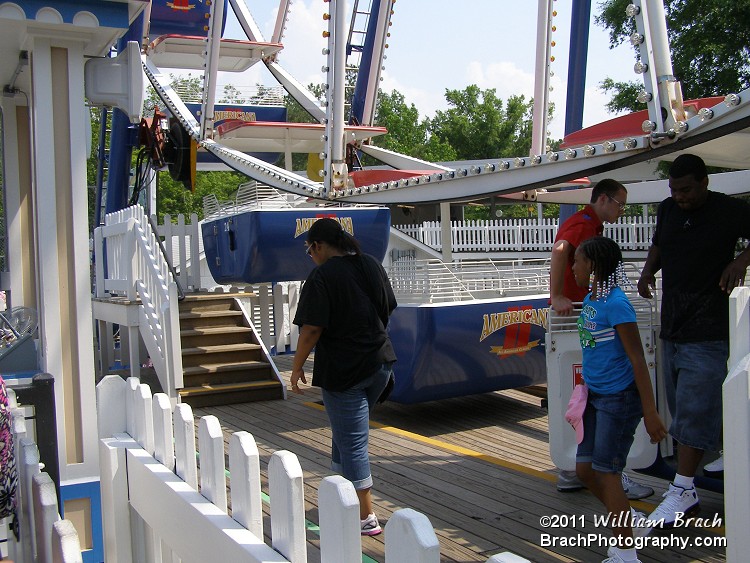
pixel 155 229
pixel 436 281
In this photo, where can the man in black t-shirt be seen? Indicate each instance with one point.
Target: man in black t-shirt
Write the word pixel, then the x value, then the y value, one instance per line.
pixel 694 245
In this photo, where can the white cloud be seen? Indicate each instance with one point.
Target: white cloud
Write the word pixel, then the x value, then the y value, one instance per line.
pixel 427 100
pixel 504 76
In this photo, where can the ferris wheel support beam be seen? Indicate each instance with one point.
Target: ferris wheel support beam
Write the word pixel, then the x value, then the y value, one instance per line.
pixel 662 91
pixel 296 90
pixel 541 81
pixel 335 172
pixel 364 100
pixel 246 21
pixel 210 74
pixel 281 17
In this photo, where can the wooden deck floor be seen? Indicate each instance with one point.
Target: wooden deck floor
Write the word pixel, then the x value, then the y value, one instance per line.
pixel 478 467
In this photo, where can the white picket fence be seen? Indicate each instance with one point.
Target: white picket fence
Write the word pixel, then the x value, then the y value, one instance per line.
pixel 153 511
pixel 43 536
pixel 505 235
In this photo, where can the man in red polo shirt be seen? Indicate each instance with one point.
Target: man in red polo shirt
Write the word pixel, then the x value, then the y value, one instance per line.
pixel 608 200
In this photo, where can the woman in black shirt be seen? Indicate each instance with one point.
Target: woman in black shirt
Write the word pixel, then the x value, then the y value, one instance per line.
pixel 343 313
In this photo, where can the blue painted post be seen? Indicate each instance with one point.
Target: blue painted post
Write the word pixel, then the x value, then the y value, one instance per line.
pixel 577 59
pixel 365 63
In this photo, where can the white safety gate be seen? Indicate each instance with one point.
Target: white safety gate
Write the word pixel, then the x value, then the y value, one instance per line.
pixel 564 359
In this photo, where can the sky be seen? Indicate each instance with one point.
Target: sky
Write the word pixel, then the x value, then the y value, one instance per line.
pixel 437 45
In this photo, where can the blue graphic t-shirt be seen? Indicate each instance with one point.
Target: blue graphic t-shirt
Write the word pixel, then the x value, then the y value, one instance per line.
pixel 606 367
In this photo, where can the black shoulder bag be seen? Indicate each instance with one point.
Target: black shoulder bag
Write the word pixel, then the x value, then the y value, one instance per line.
pixel 370 291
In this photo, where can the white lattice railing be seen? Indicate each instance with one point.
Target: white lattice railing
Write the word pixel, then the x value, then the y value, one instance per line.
pixel 136 270
pixel 505 235
pixel 250 196
pixel 432 281
pixel 155 509
pixel 182 243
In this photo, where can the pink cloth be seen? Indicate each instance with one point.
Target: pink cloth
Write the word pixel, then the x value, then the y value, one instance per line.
pixel 576 407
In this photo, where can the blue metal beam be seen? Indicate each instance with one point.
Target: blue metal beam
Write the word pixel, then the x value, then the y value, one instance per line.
pixel 365 63
pixel 576 93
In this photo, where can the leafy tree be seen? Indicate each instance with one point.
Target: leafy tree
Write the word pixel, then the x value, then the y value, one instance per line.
pixel 189 88
pixel 407 133
pixel 479 125
pixel 173 198
pixel 709 40
pixel 624 95
pixel 232 96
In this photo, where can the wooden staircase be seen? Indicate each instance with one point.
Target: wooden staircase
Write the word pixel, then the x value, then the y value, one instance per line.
pixel 222 360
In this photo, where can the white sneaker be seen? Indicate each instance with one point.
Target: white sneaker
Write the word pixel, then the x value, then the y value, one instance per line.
pixel 614 557
pixel 633 490
pixel 676 500
pixel 370 525
pixel 568 481
pixel 715 468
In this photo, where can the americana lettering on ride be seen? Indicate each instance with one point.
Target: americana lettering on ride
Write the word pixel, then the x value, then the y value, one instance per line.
pixel 304 224
pixel 517 322
pixel 234 114
pixel 493 322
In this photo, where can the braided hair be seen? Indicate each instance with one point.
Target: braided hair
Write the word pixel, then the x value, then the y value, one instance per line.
pixel 331 232
pixel 607 269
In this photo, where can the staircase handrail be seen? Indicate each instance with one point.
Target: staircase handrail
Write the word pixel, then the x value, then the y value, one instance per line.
pixel 136 269
pixel 155 229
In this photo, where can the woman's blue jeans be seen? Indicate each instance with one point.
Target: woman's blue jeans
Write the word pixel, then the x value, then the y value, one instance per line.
pixel 349 414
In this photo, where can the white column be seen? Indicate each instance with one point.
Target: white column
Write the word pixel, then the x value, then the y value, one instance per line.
pixel 446 231
pixel 61 227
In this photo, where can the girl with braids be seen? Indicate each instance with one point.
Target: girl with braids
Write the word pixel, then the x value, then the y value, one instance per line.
pixel 619 389
pixel 343 313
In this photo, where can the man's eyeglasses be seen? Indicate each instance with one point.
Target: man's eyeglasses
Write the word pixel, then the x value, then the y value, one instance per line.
pixel 308 249
pixel 619 203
